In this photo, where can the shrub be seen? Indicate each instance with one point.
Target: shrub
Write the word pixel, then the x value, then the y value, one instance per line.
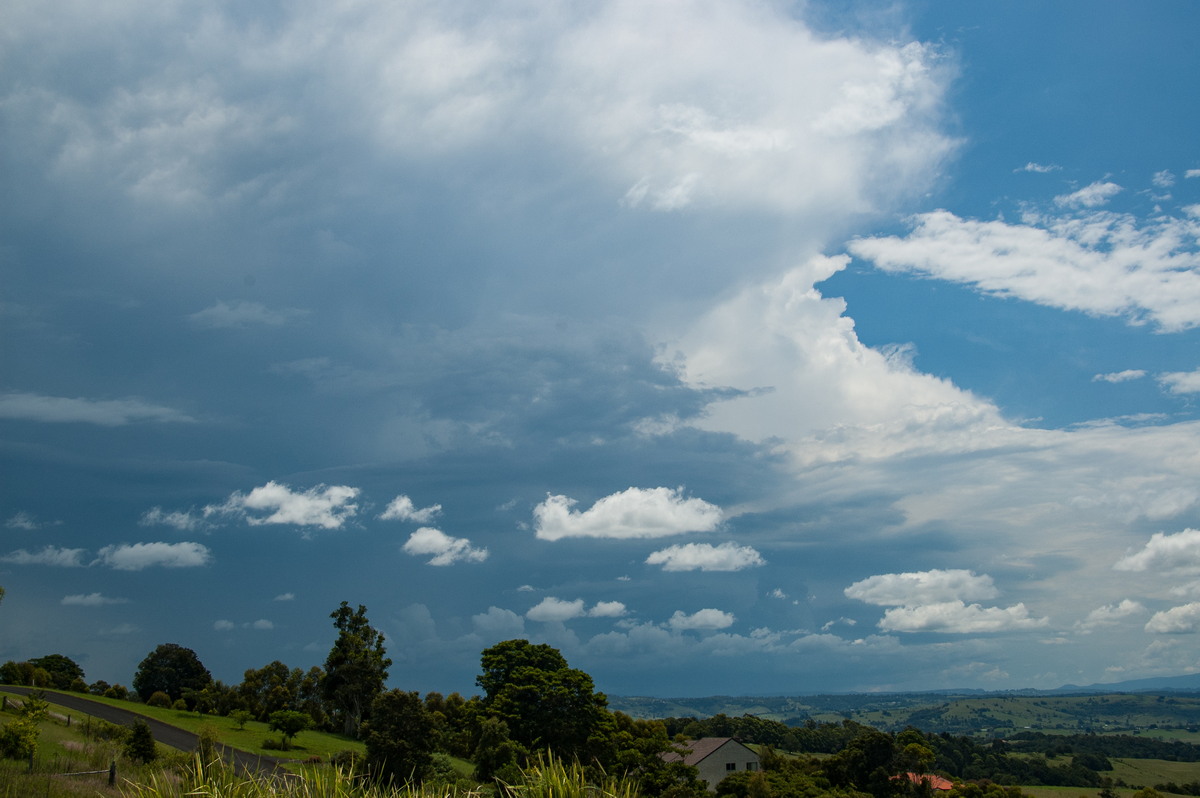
pixel 19 739
pixel 179 704
pixel 117 691
pixel 240 718
pixel 140 744
pixel 159 699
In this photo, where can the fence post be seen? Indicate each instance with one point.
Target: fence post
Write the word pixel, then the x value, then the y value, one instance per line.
pixel 112 774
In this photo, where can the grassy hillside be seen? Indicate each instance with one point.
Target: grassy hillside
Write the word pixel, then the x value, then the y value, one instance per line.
pixel 1172 715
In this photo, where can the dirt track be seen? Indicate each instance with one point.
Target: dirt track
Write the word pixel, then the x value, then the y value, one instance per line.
pixel 163 733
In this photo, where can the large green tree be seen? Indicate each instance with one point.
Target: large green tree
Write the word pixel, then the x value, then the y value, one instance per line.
pixel 63 670
pixel 545 702
pixel 399 738
pixel 171 669
pixel 356 668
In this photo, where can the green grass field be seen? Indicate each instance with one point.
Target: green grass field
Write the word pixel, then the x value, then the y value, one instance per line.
pixel 304 745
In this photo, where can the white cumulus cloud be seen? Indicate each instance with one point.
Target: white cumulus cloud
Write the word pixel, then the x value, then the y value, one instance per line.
pixel 557 610
pixel 1127 375
pixel 922 587
pixel 445 550
pixel 1178 553
pixel 1089 196
pixel 1180 382
pixel 328 507
pixel 701 619
pixel 1184 619
pixel 706 557
pixel 136 556
pixel 632 513
pixel 183 521
pixel 402 508
pixel 1111 614
pixel 957 617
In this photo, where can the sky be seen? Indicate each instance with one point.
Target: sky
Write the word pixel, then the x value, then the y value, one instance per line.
pixel 740 348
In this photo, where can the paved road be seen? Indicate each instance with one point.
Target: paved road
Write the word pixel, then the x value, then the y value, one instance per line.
pixel 163 732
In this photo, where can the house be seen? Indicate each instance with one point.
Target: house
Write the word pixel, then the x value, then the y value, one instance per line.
pixel 715 758
pixel 931 780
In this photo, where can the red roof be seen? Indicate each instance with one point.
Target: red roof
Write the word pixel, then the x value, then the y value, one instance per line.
pixel 934 781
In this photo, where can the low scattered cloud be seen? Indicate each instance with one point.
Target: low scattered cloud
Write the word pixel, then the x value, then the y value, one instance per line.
pixel 957 617
pixel 1192 173
pixel 1184 619
pixel 327 507
pixel 137 556
pixel 1163 179
pixel 22 520
pixel 498 624
pixel 701 620
pixel 556 610
pixel 49 555
pixel 1180 382
pixel 1038 168
pixel 935 601
pixel 1128 375
pixel 1111 615
pixel 285 597
pixel 1097 262
pixel 632 513
pixel 182 521
pixel 1090 196
pixel 91 600
pixel 1178 554
pixel 445 550
pixel 706 557
pixel 238 314
pixel 402 508
pixel 261 625
pixel 103 412
pixel 922 587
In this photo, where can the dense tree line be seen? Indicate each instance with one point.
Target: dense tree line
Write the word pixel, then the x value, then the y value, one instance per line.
pixel 1107 745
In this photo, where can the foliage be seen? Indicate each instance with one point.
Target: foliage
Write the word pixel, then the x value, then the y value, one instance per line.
pixel 139 746
pixel 356 667
pixel 62 669
pixel 399 738
pixel 240 717
pixel 275 686
pixel 35 707
pixel 159 699
pixel 545 703
pixel 18 739
pixel 171 669
pixel 289 723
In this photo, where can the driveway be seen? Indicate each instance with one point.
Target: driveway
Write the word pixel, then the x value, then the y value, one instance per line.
pixel 163 732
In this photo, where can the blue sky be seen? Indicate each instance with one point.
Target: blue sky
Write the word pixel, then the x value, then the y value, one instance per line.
pixel 731 348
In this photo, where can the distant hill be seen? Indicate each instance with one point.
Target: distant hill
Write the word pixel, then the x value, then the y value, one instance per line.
pixel 1132 706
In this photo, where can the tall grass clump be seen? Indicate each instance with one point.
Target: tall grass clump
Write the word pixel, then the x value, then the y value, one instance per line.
pixel 550 777
pixel 547 778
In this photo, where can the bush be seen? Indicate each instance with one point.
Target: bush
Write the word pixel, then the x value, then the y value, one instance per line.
pixel 179 704
pixel 159 699
pixel 19 739
pixel 140 744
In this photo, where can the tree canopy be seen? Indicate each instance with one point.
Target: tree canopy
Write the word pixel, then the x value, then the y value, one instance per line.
pixel 171 669
pixel 356 667
pixel 545 702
